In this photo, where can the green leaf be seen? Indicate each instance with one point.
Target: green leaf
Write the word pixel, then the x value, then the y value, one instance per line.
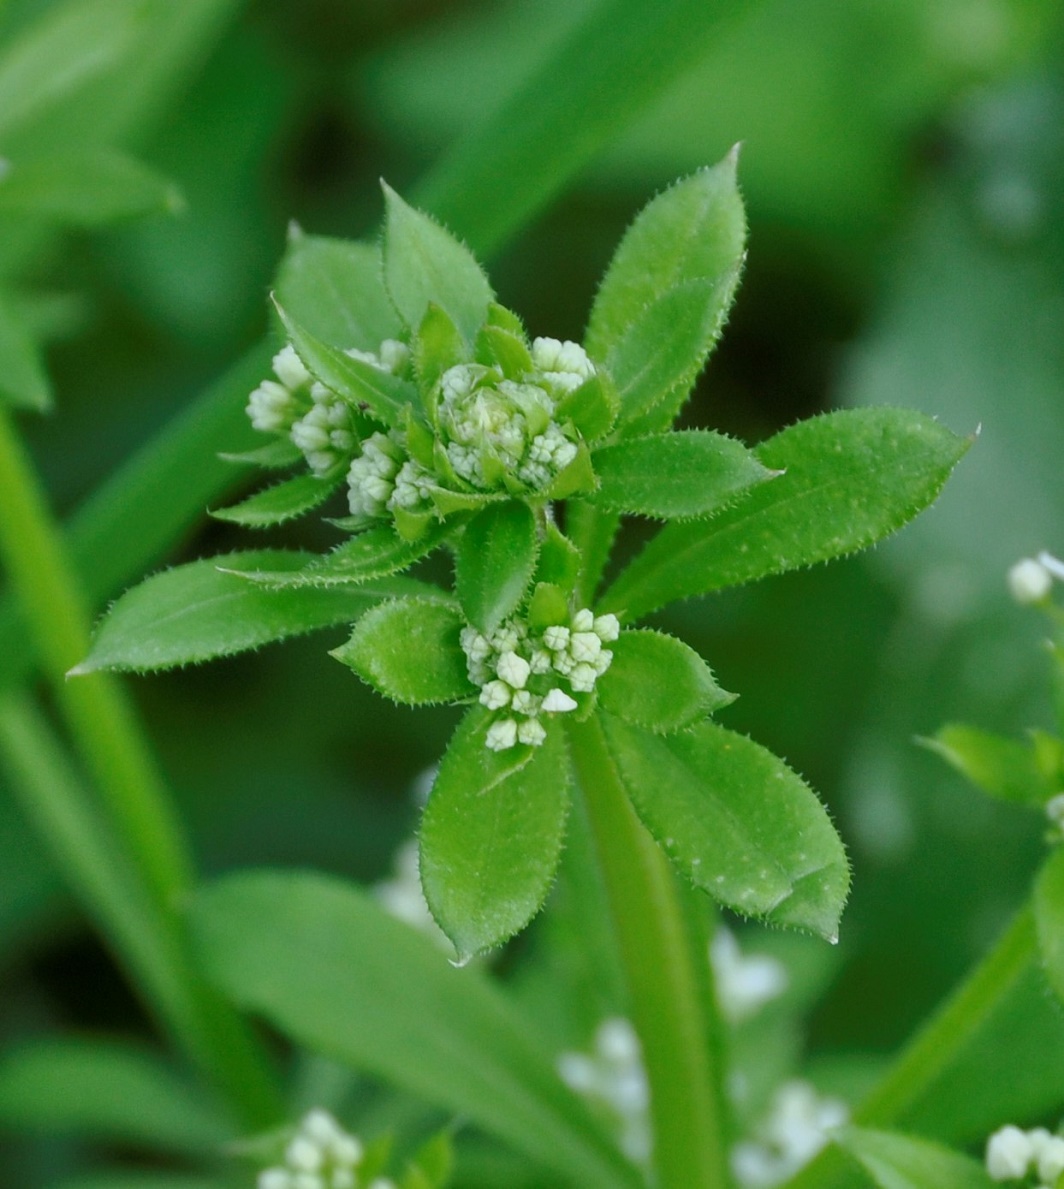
pixel 736 821
pixel 1004 768
pixel 123 1178
pixel 904 1162
pixel 321 961
pixel 71 45
pixel 409 651
pixel 432 1164
pixel 281 502
pixel 494 563
pixel 676 475
pixel 694 231
pixel 496 345
pixel 23 380
pixel 559 559
pixel 276 455
pixel 334 288
pixel 438 346
pixel 373 554
pixel 658 682
pixel 107 1090
pixel 197 611
pixel 852 478
pixel 423 263
pixel 86 188
pixel 381 394
pixel 491 835
pixel 592 408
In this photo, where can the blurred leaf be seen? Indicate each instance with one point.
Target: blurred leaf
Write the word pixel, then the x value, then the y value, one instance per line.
pixel 276 455
pixel 66 48
pixel 86 188
pixel 408 650
pixel 123 1179
pixel 608 69
pixel 432 1164
pixel 105 1090
pixel 198 611
pixel 1049 918
pixel 23 380
pixel 1004 768
pixel 676 475
pixel 905 1162
pixel 736 821
pixel 322 962
pixel 491 835
pixel 283 501
pixel 494 563
pixel 335 288
pixel 852 478
pixel 424 263
pixel 658 682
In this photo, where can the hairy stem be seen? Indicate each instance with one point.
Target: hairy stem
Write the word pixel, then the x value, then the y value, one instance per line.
pixel 674 1020
pixel 936 1046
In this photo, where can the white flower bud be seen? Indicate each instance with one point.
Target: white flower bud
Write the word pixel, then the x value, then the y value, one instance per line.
pixel 495 695
pixel 540 661
pixel 271 408
pixel 474 645
pixel 289 369
pixel 556 638
pixel 513 669
pixel 1050 1158
pixel 304 1155
pixel 607 628
pixel 531 732
pixel 1008 1154
pixel 582 678
pixel 502 735
pixel 1055 810
pixel 584 646
pixel 394 356
pixel 583 621
pixel 525 702
pixel 1029 581
pixel 307 1180
pixel 343 1178
pixel 346 1149
pixel 274 1178
pixel 558 702
pixel 602 662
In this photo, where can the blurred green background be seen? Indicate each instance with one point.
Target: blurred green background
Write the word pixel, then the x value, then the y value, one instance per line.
pixel 903 165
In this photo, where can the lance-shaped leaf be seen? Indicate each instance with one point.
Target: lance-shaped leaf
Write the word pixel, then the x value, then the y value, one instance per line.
pixel 324 964
pixel 438 345
pixel 197 611
pixel 109 1090
pixel 668 290
pixel 491 835
pixel 87 188
pixel 373 554
pixel 424 263
pixel 334 288
pixel 494 563
pixel 592 408
pixel 1004 768
pixel 851 478
pixel 736 821
pixel 23 380
pixel 281 502
pixel 275 455
pixel 676 475
pixel 658 682
pixel 905 1162
pixel 409 651
pixel 377 392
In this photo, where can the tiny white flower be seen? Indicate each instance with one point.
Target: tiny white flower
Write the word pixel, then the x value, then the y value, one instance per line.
pixel 1008 1153
pixel 582 678
pixel 506 638
pixel 563 663
pixel 1050 1158
pixel 271 408
pixel 513 669
pixel 304 1155
pixel 607 628
pixel 1053 564
pixel 531 732
pixel 346 1149
pixel 318 1124
pixel 474 645
pixel 274 1178
pixel 583 621
pixel 1029 581
pixel 495 695
pixel 584 646
pixel 502 735
pixel 558 702
pixel 745 982
pixel 394 356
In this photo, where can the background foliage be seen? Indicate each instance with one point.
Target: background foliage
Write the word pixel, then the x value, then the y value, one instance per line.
pixel 903 167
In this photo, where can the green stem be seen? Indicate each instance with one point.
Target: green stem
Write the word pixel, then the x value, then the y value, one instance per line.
pixel 139 835
pixel 592 531
pixel 95 708
pixel 687 1101
pixel 936 1046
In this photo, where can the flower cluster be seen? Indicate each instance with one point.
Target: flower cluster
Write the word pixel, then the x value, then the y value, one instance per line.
pixel 1031 579
pixel 493 432
pixel 1013 1155
pixel 613 1077
pixel 524 674
pixel 320 423
pixel 796 1127
pixel 321 1155
pixel 744 982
